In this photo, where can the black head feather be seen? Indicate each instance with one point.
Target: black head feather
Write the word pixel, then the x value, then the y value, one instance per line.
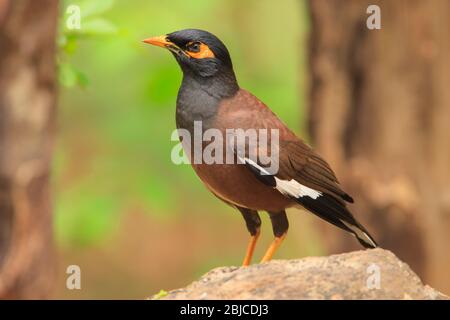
pixel 183 37
pixel 207 67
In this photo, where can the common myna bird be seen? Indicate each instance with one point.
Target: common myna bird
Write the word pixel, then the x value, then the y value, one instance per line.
pixel 210 94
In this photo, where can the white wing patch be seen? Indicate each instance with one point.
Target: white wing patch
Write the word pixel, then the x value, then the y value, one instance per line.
pixel 295 189
pixel 290 188
pixel 254 164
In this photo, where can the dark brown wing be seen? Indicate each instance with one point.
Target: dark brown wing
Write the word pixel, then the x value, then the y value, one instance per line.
pixel 299 162
pixel 308 179
pixel 302 174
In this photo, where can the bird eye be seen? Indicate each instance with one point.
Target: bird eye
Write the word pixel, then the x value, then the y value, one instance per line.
pixel 194 46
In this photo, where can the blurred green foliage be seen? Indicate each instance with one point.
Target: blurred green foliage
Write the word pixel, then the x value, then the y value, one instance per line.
pixel 89 12
pixel 160 294
pixel 117 103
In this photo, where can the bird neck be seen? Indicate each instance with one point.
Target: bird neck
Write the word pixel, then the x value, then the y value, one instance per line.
pixel 199 97
pixel 222 84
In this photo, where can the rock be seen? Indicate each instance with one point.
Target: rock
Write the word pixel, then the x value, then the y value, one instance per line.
pixel 367 274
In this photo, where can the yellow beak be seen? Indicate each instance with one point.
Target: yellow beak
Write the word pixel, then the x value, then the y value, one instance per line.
pixel 160 41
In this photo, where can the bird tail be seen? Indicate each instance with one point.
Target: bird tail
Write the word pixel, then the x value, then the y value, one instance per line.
pixel 336 213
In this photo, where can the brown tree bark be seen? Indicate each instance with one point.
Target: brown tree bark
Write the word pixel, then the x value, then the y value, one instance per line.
pixel 27 108
pixel 380 113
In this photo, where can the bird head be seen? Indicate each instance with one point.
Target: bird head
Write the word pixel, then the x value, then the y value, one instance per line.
pixel 197 52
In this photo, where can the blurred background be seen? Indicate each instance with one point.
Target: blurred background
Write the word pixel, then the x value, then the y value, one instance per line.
pixel 86 117
pixel 135 222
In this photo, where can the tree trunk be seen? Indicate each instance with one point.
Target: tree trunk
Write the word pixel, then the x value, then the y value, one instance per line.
pixel 380 113
pixel 27 109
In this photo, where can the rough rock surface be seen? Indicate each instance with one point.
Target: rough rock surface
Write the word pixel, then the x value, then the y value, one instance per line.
pixel 368 274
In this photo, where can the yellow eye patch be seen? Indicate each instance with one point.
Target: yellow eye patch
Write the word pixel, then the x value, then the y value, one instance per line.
pixel 199 51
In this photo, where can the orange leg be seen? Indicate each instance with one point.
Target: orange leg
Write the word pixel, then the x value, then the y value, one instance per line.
pixel 273 247
pixel 250 249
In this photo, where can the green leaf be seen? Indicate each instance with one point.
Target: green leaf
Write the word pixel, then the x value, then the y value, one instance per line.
pixel 69 76
pixel 160 294
pixel 97 26
pixel 90 7
pixel 68 43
